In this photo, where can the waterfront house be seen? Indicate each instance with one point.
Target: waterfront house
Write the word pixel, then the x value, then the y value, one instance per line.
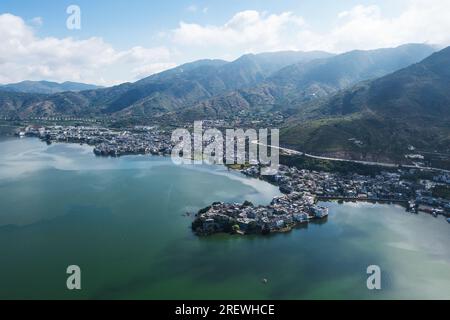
pixel 301 217
pixel 319 212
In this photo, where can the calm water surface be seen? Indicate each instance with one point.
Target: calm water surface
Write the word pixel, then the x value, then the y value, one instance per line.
pixel 122 221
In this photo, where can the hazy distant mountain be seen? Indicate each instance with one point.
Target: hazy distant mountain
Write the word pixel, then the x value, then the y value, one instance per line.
pixel 172 90
pixel 191 83
pixel 352 67
pixel 408 107
pixel 361 104
pixel 46 87
pixel 215 88
pixel 306 81
pixel 297 84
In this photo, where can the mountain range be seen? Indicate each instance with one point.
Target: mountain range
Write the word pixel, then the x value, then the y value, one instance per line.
pixel 291 87
pixel 207 88
pixel 360 104
pixel 171 90
pixel 46 87
pixel 386 116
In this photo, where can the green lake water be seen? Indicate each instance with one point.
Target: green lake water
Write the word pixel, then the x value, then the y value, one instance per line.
pixel 122 221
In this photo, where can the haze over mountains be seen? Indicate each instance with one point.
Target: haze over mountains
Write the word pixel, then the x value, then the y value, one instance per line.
pixel 171 90
pixel 46 87
pixel 281 79
pixel 410 107
pixel 294 85
pixel 385 99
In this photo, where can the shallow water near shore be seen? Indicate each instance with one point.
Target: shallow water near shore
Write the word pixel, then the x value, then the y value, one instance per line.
pixel 122 221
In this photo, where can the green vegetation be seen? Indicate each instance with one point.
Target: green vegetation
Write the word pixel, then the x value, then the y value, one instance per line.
pixel 387 115
pixel 303 162
pixel 238 166
pixel 204 210
pixel 248 204
pixel 329 104
pixel 442 192
pixel 440 163
pixel 419 175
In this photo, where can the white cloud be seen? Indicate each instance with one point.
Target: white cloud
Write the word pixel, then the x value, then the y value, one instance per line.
pixel 144 71
pixel 360 27
pixel 423 21
pixel 23 55
pixel 246 31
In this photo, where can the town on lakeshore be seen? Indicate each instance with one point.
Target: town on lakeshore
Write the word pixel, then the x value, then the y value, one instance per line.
pixel 414 188
pixel 106 142
pixel 304 188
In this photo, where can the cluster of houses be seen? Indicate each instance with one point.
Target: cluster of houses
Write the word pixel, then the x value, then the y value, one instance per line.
pixel 282 215
pixel 106 142
pixel 301 187
pixel 386 186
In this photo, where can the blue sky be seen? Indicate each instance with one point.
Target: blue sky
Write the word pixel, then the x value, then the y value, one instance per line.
pixel 124 40
pixel 127 23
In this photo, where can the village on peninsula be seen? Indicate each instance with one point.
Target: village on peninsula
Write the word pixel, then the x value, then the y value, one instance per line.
pixel 302 189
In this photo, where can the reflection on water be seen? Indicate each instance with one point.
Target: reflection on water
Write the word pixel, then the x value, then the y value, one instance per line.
pixel 122 221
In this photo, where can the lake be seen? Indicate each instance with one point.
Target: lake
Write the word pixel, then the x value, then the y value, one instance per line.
pixel 123 222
